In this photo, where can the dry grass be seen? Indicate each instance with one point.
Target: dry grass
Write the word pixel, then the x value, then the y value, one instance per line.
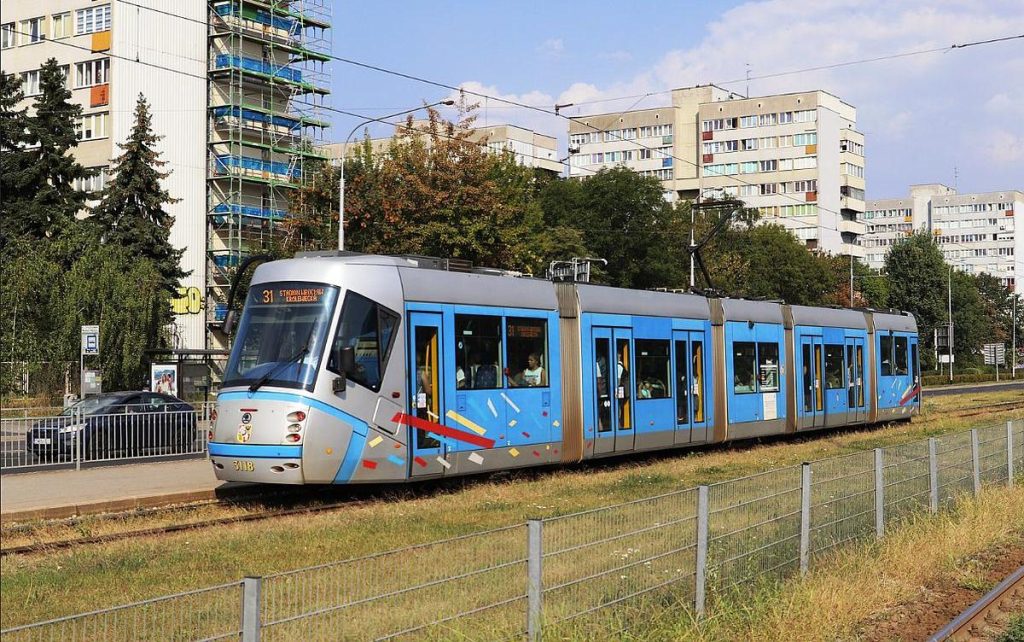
pixel 859 583
pixel 49 585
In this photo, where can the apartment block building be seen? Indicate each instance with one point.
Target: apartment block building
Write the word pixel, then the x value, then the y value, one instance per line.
pixel 975 232
pixel 797 158
pixel 236 89
pixel 530 148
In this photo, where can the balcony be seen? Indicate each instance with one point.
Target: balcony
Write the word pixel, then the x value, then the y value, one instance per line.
pixel 852 227
pixel 850 249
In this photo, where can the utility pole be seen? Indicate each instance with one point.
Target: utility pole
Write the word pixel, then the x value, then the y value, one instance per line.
pixel 851 280
pixel 950 298
pixel 1013 348
pixel 692 243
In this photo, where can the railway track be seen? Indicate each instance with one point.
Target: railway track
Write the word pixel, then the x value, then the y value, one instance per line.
pixel 994 604
pixel 284 498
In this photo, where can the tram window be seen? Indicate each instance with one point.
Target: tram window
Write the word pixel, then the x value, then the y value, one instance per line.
pixel 808 377
pixel 602 348
pixel 698 381
pixel 527 352
pixel 860 375
pixel 744 360
pixel 683 397
pixel 653 369
pixel 900 359
pixel 833 366
pixel 885 354
pixel 768 366
pixel 477 352
pixel 369 329
pixel 917 364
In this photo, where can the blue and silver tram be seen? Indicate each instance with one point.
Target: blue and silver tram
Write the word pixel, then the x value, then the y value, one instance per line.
pixel 367 369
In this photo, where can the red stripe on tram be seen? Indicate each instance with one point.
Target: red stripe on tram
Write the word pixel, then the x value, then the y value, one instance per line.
pixel 910 395
pixel 444 431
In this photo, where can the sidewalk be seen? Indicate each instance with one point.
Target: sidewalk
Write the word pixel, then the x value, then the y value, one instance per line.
pixel 65 493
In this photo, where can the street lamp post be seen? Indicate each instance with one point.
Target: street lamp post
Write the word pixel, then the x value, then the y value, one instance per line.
pixel 344 149
pixel 949 290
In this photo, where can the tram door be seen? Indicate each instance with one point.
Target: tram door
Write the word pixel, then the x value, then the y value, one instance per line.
pixel 855 381
pixel 812 385
pixel 613 384
pixel 426 392
pixel 691 422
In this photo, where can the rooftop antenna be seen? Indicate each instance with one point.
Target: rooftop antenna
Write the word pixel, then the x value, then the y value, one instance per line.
pixel 956 175
pixel 748 80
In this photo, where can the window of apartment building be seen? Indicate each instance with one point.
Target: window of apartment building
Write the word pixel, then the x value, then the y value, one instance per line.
pixel 92 126
pixel 748 121
pixel 805 139
pixel 749 190
pixel 768 165
pixel 785 117
pixel 853 170
pixel 748 144
pixel 769 142
pixel 721 169
pixel 30 82
pixel 7 39
pixel 663 152
pixel 748 167
pixel 804 186
pixel 766 120
pixel 805 116
pixel 92 19
pixel 33 30
pixel 643 154
pixel 92 72
pixel 60 25
pixel 94 183
pixel 785 141
pixel 767 188
pixel 852 147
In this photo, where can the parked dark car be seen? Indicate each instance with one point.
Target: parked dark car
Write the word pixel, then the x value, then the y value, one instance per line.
pixel 116 424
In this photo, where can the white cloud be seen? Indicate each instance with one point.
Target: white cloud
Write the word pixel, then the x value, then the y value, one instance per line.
pixel 1004 147
pixel 551 48
pixel 911 108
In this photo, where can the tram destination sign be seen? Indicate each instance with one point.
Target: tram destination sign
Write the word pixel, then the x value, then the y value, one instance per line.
pixel 278 295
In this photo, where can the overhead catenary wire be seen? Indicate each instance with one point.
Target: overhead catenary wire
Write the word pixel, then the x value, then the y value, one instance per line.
pixel 555 111
pixel 731 178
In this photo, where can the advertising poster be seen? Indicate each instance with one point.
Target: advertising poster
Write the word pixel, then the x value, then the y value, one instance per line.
pixel 163 377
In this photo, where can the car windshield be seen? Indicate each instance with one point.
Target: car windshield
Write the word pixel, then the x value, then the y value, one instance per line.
pixel 93 406
pixel 279 321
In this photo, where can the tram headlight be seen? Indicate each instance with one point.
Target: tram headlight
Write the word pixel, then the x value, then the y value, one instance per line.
pixel 298 415
pixel 295 428
pixel 293 437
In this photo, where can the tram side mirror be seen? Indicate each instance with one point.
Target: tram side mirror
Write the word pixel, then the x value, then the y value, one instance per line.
pixel 346 359
pixel 229 322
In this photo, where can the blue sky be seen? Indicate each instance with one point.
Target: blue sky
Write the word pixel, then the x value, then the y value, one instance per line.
pixel 922 115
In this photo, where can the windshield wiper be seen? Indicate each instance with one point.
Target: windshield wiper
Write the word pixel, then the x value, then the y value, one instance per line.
pixel 273 371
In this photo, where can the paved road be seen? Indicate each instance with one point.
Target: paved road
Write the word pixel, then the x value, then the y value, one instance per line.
pixel 975 388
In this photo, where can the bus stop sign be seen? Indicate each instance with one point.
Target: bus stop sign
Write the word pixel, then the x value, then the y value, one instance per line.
pixel 90 340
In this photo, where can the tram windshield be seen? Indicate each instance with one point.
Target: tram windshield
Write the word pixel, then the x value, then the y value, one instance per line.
pixel 282 322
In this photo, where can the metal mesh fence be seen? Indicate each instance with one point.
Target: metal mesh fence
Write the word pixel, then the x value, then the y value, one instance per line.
pixel 842 501
pixel 205 614
pixel 753 528
pixel 469 587
pixel 955 468
pixel 622 566
pixel 625 555
pixel 905 477
pixel 118 432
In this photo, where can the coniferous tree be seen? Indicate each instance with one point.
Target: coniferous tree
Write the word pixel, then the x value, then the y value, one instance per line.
pixel 131 212
pixel 13 157
pixel 50 171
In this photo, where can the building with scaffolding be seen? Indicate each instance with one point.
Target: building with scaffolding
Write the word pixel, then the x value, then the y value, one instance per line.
pixel 236 90
pixel 267 87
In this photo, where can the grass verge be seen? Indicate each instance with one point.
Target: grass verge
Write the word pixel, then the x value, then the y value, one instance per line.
pixel 44 586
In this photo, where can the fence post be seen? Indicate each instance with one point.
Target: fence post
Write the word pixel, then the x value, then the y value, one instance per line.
pixel 1009 453
pixel 975 462
pixel 76 419
pixel 251 609
pixel 805 517
pixel 700 577
pixel 933 475
pixel 879 494
pixel 534 585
